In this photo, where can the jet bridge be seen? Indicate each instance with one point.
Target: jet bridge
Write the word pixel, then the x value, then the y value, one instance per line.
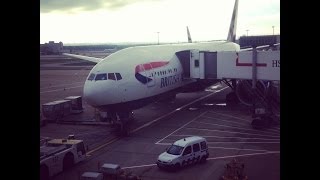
pixel 231 65
pixel 253 75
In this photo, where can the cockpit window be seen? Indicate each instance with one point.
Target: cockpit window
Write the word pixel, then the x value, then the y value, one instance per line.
pixel 91 77
pixel 118 75
pixel 101 77
pixel 111 76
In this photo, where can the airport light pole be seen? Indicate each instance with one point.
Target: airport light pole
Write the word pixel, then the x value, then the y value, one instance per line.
pixel 247 32
pixel 158 37
pixel 272 30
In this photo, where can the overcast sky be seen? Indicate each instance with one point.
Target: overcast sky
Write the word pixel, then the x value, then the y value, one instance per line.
pixel 114 21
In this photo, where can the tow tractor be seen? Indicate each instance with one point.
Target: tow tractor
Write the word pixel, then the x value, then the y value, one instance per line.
pixel 57 155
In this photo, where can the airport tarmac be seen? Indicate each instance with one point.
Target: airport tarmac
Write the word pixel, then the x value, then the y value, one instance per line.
pixel 156 126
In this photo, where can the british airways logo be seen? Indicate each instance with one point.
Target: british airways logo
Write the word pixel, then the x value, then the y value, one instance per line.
pixel 143 72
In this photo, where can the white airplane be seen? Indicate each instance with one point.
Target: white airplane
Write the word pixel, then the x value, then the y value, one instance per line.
pixel 136 76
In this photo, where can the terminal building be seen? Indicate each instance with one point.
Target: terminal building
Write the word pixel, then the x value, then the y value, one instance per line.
pixel 51 48
pixel 251 41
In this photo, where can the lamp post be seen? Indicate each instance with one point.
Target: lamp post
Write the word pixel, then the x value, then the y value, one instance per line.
pixel 247 32
pixel 158 37
pixel 272 30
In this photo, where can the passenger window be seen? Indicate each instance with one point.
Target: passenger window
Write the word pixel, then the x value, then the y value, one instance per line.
pixel 91 77
pixel 101 77
pixel 187 150
pixel 196 147
pixel 203 145
pixel 196 63
pixel 118 75
pixel 111 76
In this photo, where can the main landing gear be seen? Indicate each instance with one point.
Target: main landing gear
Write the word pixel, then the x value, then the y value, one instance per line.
pixel 120 121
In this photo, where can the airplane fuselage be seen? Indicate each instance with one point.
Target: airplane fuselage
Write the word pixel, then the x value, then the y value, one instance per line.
pixel 133 77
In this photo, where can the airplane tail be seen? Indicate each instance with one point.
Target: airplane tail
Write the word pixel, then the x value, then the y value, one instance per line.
pixel 189 37
pixel 233 24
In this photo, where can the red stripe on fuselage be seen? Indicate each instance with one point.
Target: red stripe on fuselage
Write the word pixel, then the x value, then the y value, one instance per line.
pixel 151 65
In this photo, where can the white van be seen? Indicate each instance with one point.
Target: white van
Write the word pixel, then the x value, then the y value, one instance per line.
pixel 183 152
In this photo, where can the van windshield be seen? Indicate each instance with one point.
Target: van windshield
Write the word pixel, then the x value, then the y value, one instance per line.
pixel 175 150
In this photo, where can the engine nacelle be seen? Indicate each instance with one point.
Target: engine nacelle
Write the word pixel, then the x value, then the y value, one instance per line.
pixel 245 94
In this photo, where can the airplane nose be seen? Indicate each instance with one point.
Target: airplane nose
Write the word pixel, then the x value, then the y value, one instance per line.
pixel 90 95
pixel 99 93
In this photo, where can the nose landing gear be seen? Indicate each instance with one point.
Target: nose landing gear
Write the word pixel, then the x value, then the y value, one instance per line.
pixel 121 121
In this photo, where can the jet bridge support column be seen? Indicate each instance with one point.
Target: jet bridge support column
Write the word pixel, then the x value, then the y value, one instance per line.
pixel 261 111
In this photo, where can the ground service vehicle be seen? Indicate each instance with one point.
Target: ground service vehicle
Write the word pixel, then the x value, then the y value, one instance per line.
pixel 53 111
pixel 57 155
pixel 183 152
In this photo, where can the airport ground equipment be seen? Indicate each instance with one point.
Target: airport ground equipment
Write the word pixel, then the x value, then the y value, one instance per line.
pixel 114 172
pixel 234 170
pixel 76 103
pixel 91 176
pixel 112 169
pixel 53 111
pixel 57 155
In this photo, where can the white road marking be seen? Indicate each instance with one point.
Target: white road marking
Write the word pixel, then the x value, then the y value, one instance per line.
pixel 244 142
pixel 139 166
pixel 48 87
pixel 225 120
pixel 181 127
pixel 165 144
pixel 275 129
pixel 233 132
pixel 235 127
pixel 149 123
pixel 91 132
pixel 231 137
pixel 213 158
pixel 230 116
pixel 177 109
pixel 239 155
pixel 238 149
pixel 60 89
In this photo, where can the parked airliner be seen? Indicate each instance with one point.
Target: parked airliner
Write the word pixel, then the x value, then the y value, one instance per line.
pixel 133 77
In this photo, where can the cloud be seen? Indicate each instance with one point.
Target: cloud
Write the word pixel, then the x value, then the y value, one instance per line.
pixel 47 6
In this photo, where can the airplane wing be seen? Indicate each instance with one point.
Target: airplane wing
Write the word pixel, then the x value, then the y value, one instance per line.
pixel 87 58
pixel 261 47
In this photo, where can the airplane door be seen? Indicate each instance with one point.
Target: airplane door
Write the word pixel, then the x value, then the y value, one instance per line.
pixel 194 63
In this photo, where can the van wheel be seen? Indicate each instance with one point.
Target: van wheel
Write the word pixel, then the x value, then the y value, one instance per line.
pixel 44 173
pixel 176 167
pixel 203 159
pixel 183 163
pixel 194 160
pixel 198 159
pixel 68 161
